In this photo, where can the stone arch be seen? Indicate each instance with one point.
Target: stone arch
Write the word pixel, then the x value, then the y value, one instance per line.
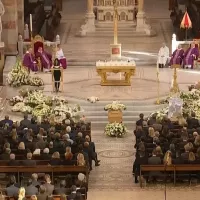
pixel 108 16
pixel 122 16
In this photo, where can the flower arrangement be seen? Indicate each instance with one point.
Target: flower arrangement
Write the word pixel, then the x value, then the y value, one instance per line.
pixel 191 103
pixel 115 129
pixel 20 76
pixel 115 106
pixel 38 104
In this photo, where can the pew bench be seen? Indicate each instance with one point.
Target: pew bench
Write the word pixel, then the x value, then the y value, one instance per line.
pixel 174 169
pixel 52 170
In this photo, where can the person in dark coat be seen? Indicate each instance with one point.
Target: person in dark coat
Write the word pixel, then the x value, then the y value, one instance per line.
pixel 57 74
pixel 30 188
pixel 141 159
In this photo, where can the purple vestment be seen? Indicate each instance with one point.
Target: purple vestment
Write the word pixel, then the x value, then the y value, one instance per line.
pixel 46 59
pixel 177 57
pixel 190 55
pixel 29 62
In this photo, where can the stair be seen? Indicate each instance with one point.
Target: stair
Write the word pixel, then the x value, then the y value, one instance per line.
pixel 95 113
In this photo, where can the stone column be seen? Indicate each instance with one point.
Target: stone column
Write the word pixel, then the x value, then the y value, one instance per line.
pixel 10 26
pixel 140 16
pixel 90 18
pixel 20 12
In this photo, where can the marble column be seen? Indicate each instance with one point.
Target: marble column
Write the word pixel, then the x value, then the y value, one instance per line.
pixel 90 17
pixel 20 12
pixel 10 26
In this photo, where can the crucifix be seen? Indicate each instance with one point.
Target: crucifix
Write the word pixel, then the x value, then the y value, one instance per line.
pixel 115 22
pixel 115 47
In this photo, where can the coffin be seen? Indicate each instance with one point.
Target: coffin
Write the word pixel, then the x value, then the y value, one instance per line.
pixel 115 116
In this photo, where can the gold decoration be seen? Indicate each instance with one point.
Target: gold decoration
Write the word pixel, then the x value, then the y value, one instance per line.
pixel 175 88
pixel 127 71
pixel 158 86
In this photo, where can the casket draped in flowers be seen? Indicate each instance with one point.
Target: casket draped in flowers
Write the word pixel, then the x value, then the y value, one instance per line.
pixel 116 129
pixel 115 111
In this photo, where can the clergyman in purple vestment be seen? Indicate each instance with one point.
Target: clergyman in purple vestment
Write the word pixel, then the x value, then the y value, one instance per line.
pixel 29 61
pixel 191 54
pixel 46 59
pixel 177 56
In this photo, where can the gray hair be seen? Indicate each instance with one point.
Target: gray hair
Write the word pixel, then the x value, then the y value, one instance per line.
pixel 46 150
pixel 12 156
pixel 68 129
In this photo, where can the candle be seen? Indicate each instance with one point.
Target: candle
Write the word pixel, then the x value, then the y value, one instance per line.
pixel 31 23
pixel 157 68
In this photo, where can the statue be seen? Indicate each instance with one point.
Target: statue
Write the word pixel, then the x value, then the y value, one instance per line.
pixel 2 11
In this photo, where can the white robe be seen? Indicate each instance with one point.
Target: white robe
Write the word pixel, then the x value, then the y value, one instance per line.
pixel 60 54
pixel 163 55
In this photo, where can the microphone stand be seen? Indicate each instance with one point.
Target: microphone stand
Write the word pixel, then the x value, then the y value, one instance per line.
pixel 165 190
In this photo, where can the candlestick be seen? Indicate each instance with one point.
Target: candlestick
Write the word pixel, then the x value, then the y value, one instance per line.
pixel 31 23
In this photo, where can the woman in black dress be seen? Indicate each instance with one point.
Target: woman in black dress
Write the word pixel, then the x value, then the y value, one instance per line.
pixel 57 74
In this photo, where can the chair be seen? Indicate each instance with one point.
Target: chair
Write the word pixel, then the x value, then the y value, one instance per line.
pixel 37 42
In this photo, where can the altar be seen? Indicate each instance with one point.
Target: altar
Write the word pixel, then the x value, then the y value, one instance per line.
pixel 125 68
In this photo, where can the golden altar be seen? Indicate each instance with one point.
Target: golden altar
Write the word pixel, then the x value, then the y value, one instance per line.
pixel 127 69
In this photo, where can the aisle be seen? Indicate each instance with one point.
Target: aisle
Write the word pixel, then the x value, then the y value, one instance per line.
pixel 116 155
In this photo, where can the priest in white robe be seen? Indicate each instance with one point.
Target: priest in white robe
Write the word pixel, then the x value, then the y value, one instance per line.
pixel 163 56
pixel 60 56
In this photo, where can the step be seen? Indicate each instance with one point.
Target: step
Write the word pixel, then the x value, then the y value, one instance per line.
pixel 138 108
pixel 101 118
pixel 125 113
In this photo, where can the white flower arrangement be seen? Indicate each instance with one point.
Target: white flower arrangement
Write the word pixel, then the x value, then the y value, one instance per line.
pixel 115 106
pixel 191 103
pixel 20 76
pixel 38 104
pixel 115 129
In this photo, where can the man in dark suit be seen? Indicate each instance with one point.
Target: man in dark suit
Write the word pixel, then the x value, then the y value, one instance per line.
pixel 6 121
pixel 62 189
pixel 34 126
pixel 30 144
pixel 28 161
pixel 154 160
pixel 49 187
pixel 25 122
pixel 35 181
pixel 192 121
pixel 12 161
pixel 141 159
pixel 6 154
pixel 140 121
pixel 42 193
pixel 92 147
pixel 185 155
pixel 12 190
pixel 31 189
pixel 72 196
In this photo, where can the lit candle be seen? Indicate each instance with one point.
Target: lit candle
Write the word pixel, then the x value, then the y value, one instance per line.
pixel 31 23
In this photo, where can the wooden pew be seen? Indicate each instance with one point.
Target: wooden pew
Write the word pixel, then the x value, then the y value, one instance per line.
pixel 52 170
pixel 55 197
pixel 171 168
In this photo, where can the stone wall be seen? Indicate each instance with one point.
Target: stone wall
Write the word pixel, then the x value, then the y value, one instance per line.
pixel 10 26
pixel 20 12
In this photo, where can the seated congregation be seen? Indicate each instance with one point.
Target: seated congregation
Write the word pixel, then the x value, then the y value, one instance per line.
pixel 166 143
pixel 62 150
